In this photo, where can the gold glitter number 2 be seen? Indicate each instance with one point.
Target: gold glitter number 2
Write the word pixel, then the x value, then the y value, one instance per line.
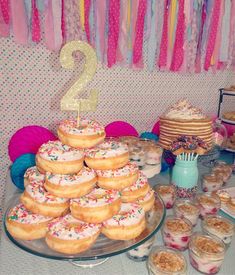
pixel 69 102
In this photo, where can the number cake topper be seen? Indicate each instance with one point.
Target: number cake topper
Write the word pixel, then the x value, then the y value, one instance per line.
pixel 68 101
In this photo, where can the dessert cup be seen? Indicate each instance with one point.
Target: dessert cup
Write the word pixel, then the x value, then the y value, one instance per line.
pixel 167 193
pixel 211 182
pixel 220 227
pixel 208 204
pixel 176 232
pixel 166 261
pixel 206 253
pixel 184 208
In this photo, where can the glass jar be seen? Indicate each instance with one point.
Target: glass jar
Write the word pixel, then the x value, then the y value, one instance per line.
pixel 208 204
pixel 185 208
pixel 176 232
pixel 206 253
pixel 220 227
pixel 166 261
pixel 185 178
pixel 167 193
pixel 211 182
pixel 141 252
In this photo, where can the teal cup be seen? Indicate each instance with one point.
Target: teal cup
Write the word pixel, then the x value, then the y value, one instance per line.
pixel 185 178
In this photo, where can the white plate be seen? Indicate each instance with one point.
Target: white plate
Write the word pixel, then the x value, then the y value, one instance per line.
pixel 228 120
pixel 224 208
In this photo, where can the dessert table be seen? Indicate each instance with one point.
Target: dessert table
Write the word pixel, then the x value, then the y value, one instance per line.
pixel 15 261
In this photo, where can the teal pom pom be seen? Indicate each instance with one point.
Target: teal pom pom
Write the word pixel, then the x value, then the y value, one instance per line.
pixel 149 135
pixel 18 168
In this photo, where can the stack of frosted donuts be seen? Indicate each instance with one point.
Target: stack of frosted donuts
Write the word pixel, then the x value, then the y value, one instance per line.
pixel 82 185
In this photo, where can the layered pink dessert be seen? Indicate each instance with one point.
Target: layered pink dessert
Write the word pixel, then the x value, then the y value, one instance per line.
pixel 188 209
pixel 176 232
pixel 208 205
pixel 211 182
pixel 206 253
pixel 167 193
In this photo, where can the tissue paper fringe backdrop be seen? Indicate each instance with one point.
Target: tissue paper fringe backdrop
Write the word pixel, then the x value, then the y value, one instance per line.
pixel 177 35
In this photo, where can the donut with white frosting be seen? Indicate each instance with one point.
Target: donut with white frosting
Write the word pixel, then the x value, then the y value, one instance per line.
pixel 138 189
pixel 88 134
pixel 59 158
pixel 118 178
pixel 70 236
pixel 25 225
pixel 147 202
pixel 97 206
pixel 32 174
pixel 37 200
pixel 128 224
pixel 71 185
pixel 110 154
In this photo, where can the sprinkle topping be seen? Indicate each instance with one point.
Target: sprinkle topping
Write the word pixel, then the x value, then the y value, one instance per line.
pixel 129 214
pixel 21 215
pixel 140 183
pixel 33 175
pixel 147 197
pixel 107 149
pixel 39 193
pixel 69 228
pixel 86 127
pixel 97 197
pixel 84 175
pixel 56 151
pixel 127 170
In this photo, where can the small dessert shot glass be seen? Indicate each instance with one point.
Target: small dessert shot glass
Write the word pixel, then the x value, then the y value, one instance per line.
pixel 184 208
pixel 153 155
pixel 176 232
pixel 208 204
pixel 167 193
pixel 166 261
pixel 141 252
pixel 211 182
pixel 206 253
pixel 220 227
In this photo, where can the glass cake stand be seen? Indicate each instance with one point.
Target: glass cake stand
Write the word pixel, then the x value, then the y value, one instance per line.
pixel 102 249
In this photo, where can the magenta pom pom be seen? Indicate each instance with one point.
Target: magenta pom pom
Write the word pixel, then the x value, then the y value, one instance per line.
pixel 27 140
pixel 156 128
pixel 119 129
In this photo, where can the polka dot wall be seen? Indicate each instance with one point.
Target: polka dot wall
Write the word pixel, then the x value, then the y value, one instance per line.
pixel 32 84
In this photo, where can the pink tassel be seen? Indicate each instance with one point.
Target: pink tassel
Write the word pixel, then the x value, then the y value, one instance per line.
pixel 139 30
pixel 114 16
pixel 36 31
pixel 162 61
pixel 178 53
pixel 86 23
pixel 5 8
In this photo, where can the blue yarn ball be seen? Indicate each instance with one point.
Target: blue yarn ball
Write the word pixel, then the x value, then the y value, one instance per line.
pixel 149 135
pixel 18 168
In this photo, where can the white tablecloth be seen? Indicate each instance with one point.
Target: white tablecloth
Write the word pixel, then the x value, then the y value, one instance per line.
pixel 14 261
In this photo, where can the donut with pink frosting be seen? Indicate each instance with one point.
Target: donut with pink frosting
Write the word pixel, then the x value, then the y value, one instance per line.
pixel 137 190
pixel 37 200
pixel 58 158
pixel 110 154
pixel 88 134
pixel 25 225
pixel 70 236
pixel 97 206
pixel 71 185
pixel 127 224
pixel 32 174
pixel 118 179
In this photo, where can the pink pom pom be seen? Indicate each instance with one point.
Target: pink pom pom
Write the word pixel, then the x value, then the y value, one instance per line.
pixel 27 140
pixel 156 128
pixel 119 129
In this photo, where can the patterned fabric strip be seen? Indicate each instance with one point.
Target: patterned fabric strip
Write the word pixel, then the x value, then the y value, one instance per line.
pixel 139 34
pixel 35 28
pixel 113 35
pixel 87 5
pixel 178 53
pixel 212 34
